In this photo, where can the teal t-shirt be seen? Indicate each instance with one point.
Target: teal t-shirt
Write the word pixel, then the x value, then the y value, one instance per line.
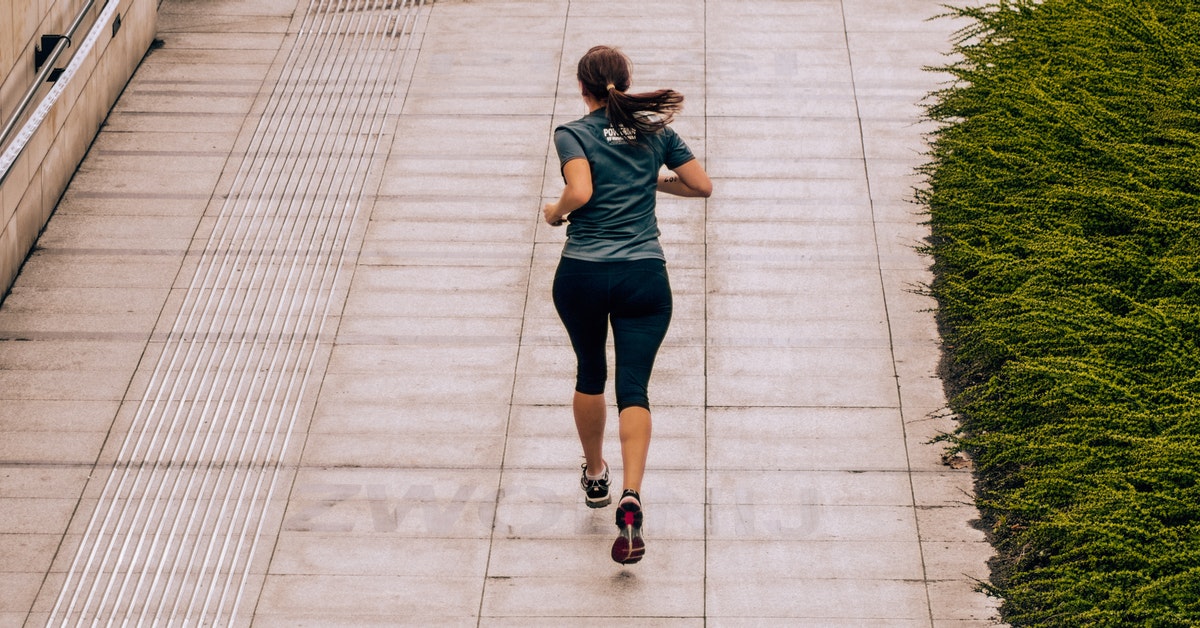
pixel 618 222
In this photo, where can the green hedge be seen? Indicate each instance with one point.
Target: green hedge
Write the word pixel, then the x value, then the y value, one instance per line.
pixel 1064 197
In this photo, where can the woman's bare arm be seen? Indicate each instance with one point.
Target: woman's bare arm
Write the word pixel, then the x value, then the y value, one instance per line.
pixel 578 174
pixel 690 179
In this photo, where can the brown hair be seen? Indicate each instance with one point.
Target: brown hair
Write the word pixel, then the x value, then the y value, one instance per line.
pixel 605 73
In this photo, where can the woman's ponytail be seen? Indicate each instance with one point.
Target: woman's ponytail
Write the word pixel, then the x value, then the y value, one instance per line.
pixel 605 73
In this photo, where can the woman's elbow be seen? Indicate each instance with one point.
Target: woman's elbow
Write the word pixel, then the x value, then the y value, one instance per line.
pixel 578 195
pixel 704 190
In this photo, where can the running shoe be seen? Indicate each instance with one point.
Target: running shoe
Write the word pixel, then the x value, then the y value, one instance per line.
pixel 629 547
pixel 595 491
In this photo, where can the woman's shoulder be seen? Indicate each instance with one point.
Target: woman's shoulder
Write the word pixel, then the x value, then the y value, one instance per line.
pixel 581 124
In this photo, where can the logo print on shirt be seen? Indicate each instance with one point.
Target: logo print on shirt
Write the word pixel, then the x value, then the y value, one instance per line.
pixel 619 134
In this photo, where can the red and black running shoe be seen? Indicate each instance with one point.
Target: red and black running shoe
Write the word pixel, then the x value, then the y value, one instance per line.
pixel 629 547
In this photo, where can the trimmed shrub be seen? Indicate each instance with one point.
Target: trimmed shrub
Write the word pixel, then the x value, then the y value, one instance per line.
pixel 1064 199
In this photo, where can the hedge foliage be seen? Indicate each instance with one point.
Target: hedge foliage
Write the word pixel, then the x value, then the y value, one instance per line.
pixel 1064 198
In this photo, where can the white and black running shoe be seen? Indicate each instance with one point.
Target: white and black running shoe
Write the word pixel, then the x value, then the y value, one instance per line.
pixel 595 491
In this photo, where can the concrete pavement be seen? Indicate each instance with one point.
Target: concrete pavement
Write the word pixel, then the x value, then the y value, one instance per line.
pixel 419 466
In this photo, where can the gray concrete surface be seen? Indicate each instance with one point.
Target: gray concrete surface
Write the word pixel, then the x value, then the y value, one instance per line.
pixel 431 476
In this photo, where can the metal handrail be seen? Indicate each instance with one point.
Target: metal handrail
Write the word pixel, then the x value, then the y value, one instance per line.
pixel 48 66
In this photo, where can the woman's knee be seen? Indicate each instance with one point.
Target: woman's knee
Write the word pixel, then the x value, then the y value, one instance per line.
pixel 625 404
pixel 632 388
pixel 590 381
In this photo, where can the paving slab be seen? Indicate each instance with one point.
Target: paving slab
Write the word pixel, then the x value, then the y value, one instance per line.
pixel 428 472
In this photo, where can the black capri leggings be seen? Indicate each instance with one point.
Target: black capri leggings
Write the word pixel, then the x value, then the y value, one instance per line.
pixel 636 297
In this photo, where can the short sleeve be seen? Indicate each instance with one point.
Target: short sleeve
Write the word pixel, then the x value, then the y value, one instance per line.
pixel 676 151
pixel 567 145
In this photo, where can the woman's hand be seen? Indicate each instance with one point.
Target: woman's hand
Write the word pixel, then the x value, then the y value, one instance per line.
pixel 551 213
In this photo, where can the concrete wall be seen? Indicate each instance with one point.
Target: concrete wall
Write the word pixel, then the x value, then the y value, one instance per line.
pixel 41 174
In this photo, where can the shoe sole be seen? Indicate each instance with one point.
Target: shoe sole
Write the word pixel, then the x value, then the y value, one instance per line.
pixel 597 503
pixel 629 547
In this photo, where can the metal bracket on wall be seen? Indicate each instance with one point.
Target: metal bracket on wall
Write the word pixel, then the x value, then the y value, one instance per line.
pixel 43 52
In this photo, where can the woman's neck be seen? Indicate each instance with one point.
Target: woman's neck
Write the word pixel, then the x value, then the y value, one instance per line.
pixel 593 104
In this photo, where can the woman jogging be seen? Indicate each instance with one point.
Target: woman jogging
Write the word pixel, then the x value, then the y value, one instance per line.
pixel 612 269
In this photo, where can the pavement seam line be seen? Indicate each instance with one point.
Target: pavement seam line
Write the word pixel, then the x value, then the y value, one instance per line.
pixel 886 311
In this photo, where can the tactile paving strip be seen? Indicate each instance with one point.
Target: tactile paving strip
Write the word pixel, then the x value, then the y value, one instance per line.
pixel 176 526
